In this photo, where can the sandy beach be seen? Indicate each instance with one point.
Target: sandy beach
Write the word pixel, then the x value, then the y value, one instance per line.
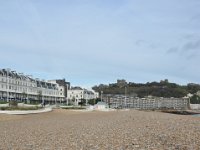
pixel 116 130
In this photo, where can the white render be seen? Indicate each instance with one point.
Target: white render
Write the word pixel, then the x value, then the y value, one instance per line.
pixel 61 89
pixel 195 106
pixel 76 94
pixel 19 86
pixel 101 106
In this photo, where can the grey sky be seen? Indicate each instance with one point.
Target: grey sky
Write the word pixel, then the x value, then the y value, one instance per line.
pixel 98 41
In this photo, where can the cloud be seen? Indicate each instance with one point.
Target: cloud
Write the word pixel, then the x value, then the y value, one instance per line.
pixel 195 18
pixel 190 37
pixel 139 42
pixel 172 50
pixel 191 46
pixel 189 49
pixel 191 56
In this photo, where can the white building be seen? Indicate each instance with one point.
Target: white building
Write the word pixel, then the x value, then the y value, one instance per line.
pixel 76 94
pixel 20 87
pixel 189 95
pixel 61 89
pixel 198 93
pixel 101 106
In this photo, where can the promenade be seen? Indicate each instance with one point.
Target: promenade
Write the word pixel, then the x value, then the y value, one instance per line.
pixel 117 130
pixel 26 112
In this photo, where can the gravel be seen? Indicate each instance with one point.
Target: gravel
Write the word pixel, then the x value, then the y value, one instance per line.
pixel 116 130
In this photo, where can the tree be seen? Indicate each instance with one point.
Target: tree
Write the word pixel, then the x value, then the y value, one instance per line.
pixel 158 89
pixel 193 88
pixel 195 99
pixel 94 101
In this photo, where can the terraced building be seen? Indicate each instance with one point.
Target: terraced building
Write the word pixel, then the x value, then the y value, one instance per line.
pixel 20 87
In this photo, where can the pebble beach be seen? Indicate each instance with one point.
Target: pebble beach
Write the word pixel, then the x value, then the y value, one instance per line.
pixel 116 130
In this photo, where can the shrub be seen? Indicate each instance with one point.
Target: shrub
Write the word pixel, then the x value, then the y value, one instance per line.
pixel 20 108
pixel 4 108
pixel 13 103
pixel 73 108
pixel 3 102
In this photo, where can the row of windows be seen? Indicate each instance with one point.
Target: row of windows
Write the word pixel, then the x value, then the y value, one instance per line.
pixel 29 90
pixel 50 93
pixel 76 96
pixel 76 92
pixel 21 96
pixel 18 82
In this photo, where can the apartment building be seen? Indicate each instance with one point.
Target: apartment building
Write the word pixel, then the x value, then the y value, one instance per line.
pixel 20 87
pixel 63 87
pixel 76 94
pixel 122 101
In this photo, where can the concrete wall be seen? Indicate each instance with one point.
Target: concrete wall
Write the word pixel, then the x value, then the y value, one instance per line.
pixel 195 106
pixel 4 105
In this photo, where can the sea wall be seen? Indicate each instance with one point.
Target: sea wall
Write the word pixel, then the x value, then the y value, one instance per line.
pixel 195 106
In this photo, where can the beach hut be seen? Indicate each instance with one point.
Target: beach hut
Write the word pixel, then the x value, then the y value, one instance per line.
pixel 101 105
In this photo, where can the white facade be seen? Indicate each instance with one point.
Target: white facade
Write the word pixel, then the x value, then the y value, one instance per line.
pixel 76 94
pixel 21 87
pixel 90 94
pixel 61 89
pixel 189 95
pixel 195 106
pixel 101 106
pixel 198 93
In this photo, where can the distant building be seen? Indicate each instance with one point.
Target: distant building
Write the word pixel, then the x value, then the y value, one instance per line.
pixel 76 94
pixel 121 82
pixel 63 87
pixel 190 95
pixel 119 101
pixel 101 106
pixel 198 93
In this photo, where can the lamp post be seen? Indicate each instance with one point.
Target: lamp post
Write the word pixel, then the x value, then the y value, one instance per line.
pixel 125 97
pixel 42 98
pixel 67 96
pixel 55 96
pixel 7 77
pixel 67 100
pixel 101 95
pixel 55 93
pixel 86 98
pixel 16 93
